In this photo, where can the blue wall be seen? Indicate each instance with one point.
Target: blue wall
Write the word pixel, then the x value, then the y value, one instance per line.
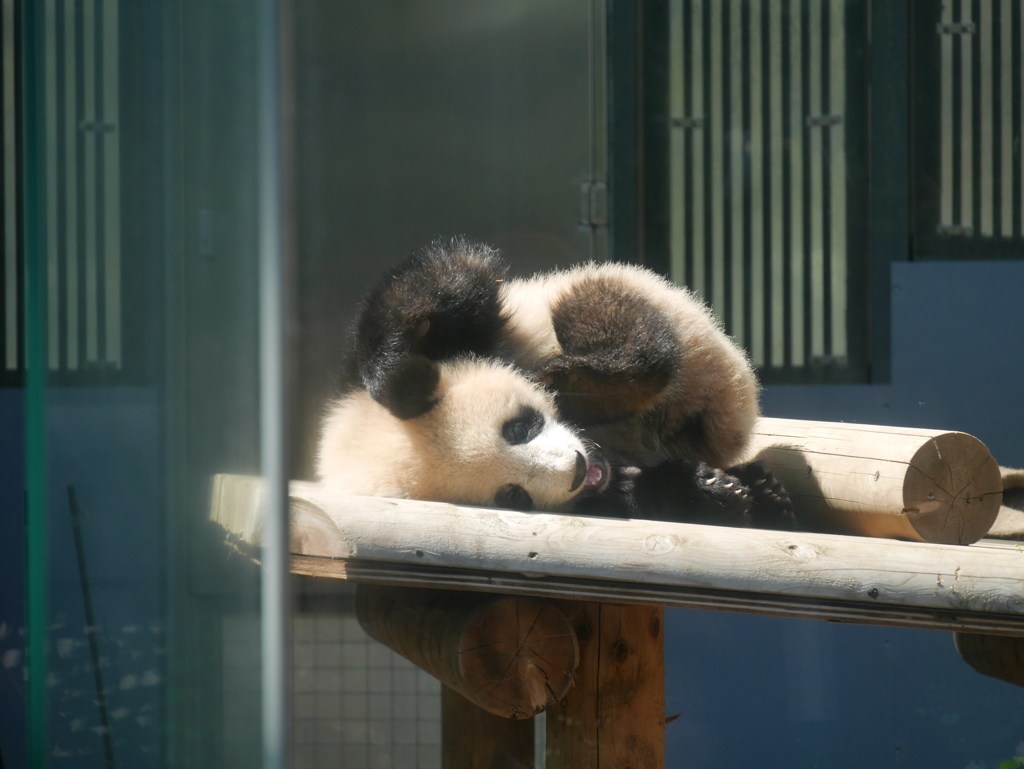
pixel 763 691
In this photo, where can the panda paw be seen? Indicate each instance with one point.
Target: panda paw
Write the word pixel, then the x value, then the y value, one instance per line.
pixel 680 491
pixel 726 500
pixel 771 507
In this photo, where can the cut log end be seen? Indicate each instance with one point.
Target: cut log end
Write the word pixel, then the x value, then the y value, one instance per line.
pixel 518 655
pixel 952 489
pixel 513 656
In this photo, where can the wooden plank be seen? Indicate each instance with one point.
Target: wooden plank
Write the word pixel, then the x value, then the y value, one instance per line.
pixel 854 579
pixel 614 716
pixel 922 485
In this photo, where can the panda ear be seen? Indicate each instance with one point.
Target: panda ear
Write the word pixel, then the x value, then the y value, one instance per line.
pixel 410 388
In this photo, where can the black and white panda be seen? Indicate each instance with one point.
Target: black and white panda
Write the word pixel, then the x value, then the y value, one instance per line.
pixel 489 437
pixel 639 366
pixel 484 434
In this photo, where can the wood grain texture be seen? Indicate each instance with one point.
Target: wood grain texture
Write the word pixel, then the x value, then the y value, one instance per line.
pixel 921 485
pixel 614 714
pixel 472 738
pixel 512 656
pixel 906 584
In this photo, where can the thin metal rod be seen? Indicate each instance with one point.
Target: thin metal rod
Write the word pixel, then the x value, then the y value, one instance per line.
pixel 111 186
pixel 677 147
pixel 946 120
pixel 737 247
pixel 71 184
pixel 11 308
pixel 757 201
pixel 966 123
pixel 698 149
pixel 90 628
pixel 837 176
pixel 796 186
pixel 274 604
pixel 986 139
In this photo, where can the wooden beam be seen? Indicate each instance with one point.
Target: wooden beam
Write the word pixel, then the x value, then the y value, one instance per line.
pixel 614 715
pixel 824 576
pixel 512 656
pixel 921 485
pixel 1001 657
pixel 472 738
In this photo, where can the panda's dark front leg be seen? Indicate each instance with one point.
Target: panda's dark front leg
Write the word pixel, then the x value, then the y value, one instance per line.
pixel 618 352
pixel 771 506
pixel 691 492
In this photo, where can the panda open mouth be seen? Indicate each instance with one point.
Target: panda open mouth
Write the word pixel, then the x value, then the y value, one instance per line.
pixel 591 474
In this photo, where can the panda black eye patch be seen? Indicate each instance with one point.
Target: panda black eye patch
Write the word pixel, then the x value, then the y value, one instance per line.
pixel 523 427
pixel 514 497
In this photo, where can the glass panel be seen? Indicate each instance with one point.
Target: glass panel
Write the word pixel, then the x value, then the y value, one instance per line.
pixel 141 163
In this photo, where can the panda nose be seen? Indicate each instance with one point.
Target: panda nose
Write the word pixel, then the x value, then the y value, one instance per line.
pixel 581 471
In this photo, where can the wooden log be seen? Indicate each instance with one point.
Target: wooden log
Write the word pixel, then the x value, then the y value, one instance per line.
pixel 513 656
pixel 472 738
pixel 614 715
pixel 901 483
pixel 1001 657
pixel 793 574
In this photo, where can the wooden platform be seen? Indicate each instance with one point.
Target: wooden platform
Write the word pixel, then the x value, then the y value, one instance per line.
pixel 596 662
pixel 975 588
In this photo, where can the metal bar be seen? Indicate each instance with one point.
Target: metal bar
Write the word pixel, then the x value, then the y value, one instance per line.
pixel 598 111
pixel 677 145
pixel 52 226
pixel 11 308
pixel 757 255
pixel 837 175
pixel 111 186
pixel 274 586
pixel 966 123
pixel 776 141
pixel 90 629
pixel 736 164
pixel 717 129
pixel 37 514
pixel 71 183
pixel 698 150
pixel 1006 228
pixel 986 164
pixel 817 189
pixel 946 122
pixel 89 149
pixel 796 187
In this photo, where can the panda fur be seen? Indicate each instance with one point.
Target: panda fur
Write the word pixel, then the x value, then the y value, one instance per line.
pixel 489 437
pixel 638 365
pixel 639 362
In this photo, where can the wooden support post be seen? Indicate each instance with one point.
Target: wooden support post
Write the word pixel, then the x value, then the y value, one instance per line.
pixel 902 483
pixel 472 738
pixel 998 656
pixel 614 715
pixel 513 656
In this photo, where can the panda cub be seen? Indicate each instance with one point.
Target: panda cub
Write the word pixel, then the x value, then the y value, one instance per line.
pixel 637 365
pixel 488 437
pixel 484 434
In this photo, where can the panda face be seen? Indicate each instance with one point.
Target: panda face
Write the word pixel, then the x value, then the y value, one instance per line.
pixel 499 442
